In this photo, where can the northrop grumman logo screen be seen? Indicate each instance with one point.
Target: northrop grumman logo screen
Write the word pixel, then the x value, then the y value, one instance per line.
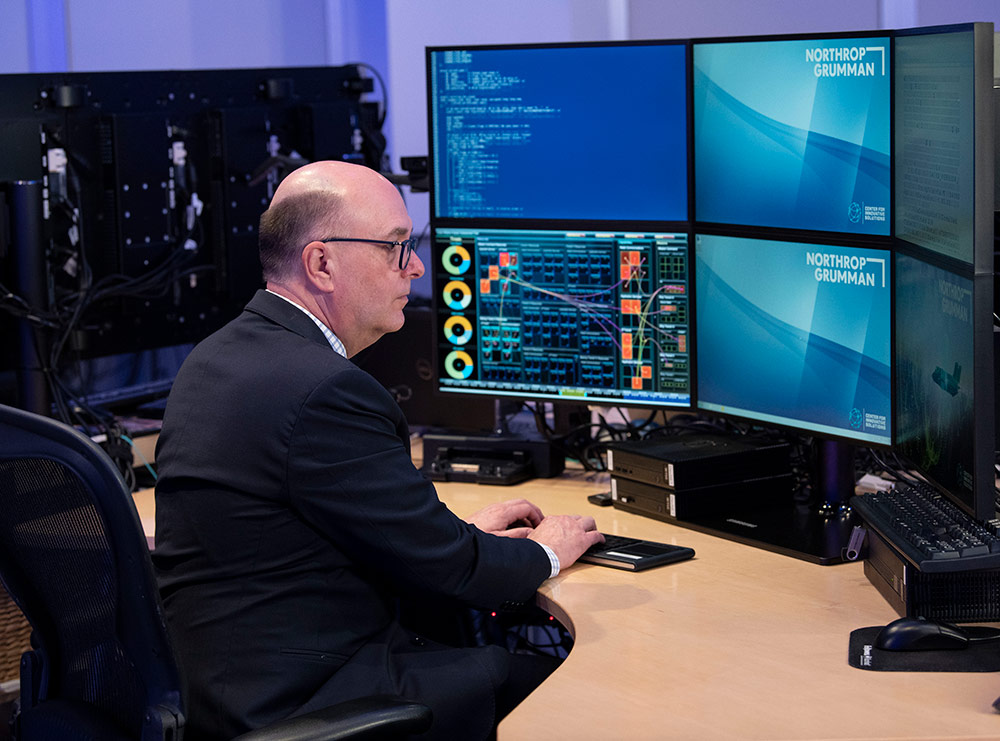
pixel 847 61
pixel 955 301
pixel 850 269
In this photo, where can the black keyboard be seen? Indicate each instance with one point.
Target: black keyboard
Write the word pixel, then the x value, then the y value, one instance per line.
pixel 929 530
pixel 634 554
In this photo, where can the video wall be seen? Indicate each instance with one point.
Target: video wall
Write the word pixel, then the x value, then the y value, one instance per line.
pixel 710 223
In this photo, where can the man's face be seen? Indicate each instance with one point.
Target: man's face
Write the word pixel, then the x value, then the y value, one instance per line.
pixel 370 289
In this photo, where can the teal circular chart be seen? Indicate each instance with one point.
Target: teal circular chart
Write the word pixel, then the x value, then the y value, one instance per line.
pixel 458 330
pixel 457 295
pixel 456 259
pixel 458 364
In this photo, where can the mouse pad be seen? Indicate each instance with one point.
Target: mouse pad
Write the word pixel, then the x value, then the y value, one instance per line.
pixel 976 657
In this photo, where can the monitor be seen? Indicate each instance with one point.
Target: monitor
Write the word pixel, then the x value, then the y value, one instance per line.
pixel 600 316
pixel 794 133
pixel 945 134
pixel 945 379
pixel 768 294
pixel 560 249
pixel 585 132
pixel 795 334
pixel 944 131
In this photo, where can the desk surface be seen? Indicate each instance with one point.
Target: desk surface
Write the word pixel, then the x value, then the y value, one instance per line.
pixel 738 643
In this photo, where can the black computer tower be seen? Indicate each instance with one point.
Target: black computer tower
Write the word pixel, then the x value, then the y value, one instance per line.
pixel 954 597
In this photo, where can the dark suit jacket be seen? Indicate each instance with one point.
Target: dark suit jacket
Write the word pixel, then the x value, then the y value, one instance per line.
pixel 289 522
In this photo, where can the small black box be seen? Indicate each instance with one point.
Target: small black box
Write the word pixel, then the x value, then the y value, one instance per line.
pixel 671 504
pixel 695 461
pixel 502 460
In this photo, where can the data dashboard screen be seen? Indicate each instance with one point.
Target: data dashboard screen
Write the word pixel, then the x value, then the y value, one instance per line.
pixel 794 133
pixel 795 334
pixel 592 132
pixel 588 315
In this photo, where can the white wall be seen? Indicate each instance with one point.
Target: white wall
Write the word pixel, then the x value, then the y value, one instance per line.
pixel 650 19
pixel 937 13
pixel 185 34
pixel 14 54
pixel 685 19
pixel 151 34
pixel 356 32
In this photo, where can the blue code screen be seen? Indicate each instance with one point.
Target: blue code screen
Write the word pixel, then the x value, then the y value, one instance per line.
pixel 588 132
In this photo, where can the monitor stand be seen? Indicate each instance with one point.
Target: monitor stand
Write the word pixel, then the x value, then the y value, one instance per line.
pixel 818 533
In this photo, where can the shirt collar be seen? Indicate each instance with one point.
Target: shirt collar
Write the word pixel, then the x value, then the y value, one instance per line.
pixel 334 341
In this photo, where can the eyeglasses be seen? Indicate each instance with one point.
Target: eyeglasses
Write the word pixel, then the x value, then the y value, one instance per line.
pixel 406 246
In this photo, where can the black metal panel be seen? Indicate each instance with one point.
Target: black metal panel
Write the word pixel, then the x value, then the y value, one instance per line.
pixel 154 183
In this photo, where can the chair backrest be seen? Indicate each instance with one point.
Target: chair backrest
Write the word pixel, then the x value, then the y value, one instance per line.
pixel 74 558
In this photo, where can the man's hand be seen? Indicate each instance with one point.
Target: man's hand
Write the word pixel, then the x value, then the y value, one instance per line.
pixel 498 518
pixel 567 535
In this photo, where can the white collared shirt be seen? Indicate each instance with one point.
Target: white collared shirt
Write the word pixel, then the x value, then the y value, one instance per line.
pixel 334 341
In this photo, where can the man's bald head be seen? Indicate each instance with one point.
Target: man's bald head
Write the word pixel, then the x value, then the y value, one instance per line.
pixel 315 202
pixel 335 179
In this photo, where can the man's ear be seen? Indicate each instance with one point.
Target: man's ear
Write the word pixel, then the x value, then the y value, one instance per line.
pixel 318 266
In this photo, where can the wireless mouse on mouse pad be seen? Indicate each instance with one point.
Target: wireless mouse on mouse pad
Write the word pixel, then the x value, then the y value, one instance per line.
pixel 978 655
pixel 919 634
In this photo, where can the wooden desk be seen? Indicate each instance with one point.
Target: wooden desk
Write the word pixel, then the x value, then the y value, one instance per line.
pixel 738 643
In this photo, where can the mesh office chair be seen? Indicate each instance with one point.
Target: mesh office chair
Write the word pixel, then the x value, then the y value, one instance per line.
pixel 74 558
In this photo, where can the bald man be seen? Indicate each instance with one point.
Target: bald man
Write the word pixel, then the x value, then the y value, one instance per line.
pixel 292 529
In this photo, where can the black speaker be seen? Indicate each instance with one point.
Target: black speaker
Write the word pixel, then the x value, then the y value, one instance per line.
pixel 403 363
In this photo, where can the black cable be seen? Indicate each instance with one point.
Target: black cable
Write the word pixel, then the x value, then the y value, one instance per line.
pixel 17 307
pixel 70 306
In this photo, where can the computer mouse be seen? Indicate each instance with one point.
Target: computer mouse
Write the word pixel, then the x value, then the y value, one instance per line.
pixel 920 634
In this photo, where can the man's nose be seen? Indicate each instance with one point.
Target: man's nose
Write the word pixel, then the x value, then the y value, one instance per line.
pixel 416 266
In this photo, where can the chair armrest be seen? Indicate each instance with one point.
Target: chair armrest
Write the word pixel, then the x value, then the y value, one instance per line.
pixel 375 717
pixel 32 676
